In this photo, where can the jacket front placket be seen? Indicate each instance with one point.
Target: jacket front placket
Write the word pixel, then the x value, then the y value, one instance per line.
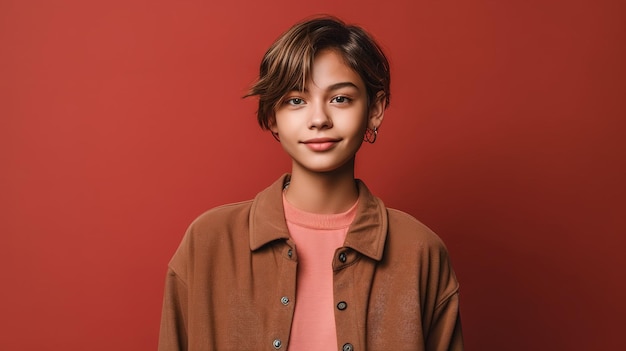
pixel 352 277
pixel 284 298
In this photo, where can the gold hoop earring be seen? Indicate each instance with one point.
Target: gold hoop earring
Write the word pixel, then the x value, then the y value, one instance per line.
pixel 371 135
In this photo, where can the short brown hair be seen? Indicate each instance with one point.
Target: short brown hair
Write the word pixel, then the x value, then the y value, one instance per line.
pixel 287 63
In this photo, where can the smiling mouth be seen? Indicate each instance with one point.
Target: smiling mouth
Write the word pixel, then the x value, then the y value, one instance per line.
pixel 321 144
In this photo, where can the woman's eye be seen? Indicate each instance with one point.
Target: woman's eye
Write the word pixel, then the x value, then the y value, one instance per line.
pixel 295 101
pixel 340 99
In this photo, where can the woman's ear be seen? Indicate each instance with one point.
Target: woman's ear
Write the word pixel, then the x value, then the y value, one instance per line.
pixel 377 111
pixel 273 128
pixel 271 123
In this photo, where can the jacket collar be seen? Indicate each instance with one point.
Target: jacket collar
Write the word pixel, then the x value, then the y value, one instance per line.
pixel 366 234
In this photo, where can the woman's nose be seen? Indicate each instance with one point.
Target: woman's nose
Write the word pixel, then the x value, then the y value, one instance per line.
pixel 320 119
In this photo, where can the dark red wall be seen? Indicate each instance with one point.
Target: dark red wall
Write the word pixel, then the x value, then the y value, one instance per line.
pixel 120 121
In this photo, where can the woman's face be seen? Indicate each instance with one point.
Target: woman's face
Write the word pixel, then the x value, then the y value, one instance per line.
pixel 322 127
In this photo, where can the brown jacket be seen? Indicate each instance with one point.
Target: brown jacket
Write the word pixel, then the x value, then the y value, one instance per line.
pixel 231 284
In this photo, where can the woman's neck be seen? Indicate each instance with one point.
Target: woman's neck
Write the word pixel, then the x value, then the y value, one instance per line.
pixel 322 192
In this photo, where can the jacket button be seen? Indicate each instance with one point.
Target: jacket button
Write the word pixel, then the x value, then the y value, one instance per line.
pixel 277 344
pixel 343 257
pixel 347 347
pixel 284 300
pixel 342 305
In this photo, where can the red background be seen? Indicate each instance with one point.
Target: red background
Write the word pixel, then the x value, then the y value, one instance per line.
pixel 121 121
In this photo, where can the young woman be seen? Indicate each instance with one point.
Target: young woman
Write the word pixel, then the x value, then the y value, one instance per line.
pixel 315 261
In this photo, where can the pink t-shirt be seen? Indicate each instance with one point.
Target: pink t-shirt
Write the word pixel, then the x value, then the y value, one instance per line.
pixel 317 236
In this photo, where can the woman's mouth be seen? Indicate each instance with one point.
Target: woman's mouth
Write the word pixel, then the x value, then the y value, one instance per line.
pixel 321 144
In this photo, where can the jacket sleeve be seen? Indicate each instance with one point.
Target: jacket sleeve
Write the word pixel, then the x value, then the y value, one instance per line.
pixel 443 325
pixel 445 332
pixel 173 334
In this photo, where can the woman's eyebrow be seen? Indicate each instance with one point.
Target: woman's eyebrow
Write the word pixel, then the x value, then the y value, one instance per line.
pixel 331 87
pixel 340 85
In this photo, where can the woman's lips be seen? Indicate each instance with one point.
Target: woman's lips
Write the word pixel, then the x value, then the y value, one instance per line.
pixel 321 144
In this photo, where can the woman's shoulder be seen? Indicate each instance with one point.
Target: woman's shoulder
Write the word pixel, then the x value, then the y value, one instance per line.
pixel 222 216
pixel 405 227
pixel 220 231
